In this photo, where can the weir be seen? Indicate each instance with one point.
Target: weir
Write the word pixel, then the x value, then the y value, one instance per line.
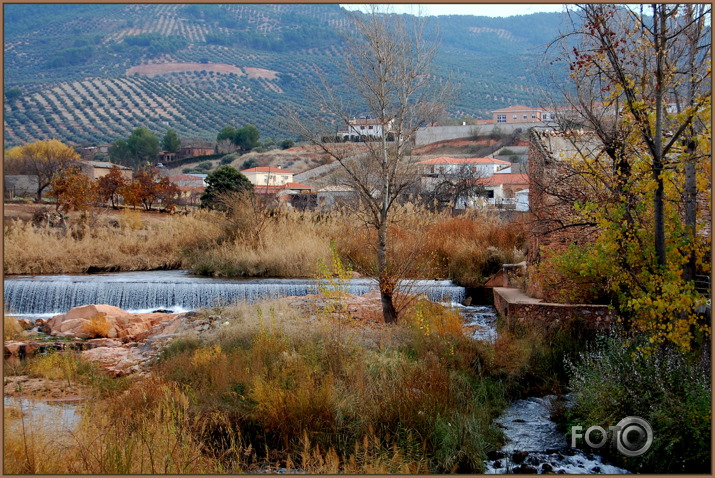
pixel 176 290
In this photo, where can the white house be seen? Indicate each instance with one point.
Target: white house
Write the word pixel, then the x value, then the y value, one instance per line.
pixel 363 129
pixel 268 176
pixel 502 189
pixel 480 167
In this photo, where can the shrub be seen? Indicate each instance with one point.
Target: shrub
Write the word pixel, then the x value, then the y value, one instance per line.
pixel 11 327
pixel 397 400
pixel 614 379
pixel 98 326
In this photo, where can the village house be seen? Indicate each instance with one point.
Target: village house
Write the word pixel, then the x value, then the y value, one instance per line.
pixel 521 114
pixel 482 167
pixel 191 187
pixel 363 129
pixel 436 170
pixel 97 169
pixel 275 181
pixel 268 176
pixel 190 148
pixel 502 189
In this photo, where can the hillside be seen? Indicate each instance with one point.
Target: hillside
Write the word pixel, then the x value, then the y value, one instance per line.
pixel 92 73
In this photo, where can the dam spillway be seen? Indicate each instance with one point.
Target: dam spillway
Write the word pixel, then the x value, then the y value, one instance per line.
pixel 176 290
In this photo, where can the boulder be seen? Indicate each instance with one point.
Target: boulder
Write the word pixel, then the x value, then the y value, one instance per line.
pixel 103 321
pixel 116 360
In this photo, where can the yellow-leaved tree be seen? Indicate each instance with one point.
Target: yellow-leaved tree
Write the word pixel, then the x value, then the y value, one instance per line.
pixel 43 159
pixel 641 93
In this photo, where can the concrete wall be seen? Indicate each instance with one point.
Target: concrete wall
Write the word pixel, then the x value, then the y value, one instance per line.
pixel 434 134
pixel 20 185
pixel 545 313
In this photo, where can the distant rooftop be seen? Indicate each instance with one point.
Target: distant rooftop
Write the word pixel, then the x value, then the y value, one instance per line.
pixel 446 160
pixel 266 169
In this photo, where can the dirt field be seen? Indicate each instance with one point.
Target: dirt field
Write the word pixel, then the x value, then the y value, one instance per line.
pixel 164 68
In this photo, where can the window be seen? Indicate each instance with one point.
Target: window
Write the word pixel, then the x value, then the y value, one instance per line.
pixel 490 194
pixel 525 116
pixel 501 118
pixel 362 127
pixel 369 127
pixel 533 115
pixel 514 116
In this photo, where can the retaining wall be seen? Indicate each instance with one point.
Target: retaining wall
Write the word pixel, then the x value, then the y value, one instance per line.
pixel 434 134
pixel 513 307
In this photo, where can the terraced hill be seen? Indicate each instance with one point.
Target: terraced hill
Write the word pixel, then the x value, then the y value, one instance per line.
pixel 92 73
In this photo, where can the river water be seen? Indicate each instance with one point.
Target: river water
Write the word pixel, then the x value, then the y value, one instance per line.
pixel 177 291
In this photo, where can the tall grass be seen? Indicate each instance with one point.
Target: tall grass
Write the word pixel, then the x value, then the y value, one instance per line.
pixel 132 246
pixel 277 388
pixel 401 399
pixel 251 241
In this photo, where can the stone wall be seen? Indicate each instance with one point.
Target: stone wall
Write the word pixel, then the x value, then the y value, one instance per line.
pixel 545 313
pixel 553 190
pixel 20 186
pixel 434 134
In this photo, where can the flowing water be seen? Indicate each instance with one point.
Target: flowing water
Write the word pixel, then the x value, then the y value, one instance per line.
pixel 535 445
pixel 533 442
pixel 177 291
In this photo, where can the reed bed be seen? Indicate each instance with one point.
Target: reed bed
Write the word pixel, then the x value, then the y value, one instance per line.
pixel 131 245
pixel 249 242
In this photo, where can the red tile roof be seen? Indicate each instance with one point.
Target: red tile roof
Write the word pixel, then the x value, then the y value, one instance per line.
pixel 273 189
pixel 504 178
pixel 298 186
pixel 445 160
pixel 266 169
pixel 517 108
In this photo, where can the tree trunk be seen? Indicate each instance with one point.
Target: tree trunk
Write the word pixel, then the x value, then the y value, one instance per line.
pixel 385 282
pixel 658 198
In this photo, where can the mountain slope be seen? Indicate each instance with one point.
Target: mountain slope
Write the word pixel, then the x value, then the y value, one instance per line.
pixel 91 73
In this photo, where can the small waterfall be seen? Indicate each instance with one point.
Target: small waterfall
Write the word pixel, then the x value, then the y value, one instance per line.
pixel 175 290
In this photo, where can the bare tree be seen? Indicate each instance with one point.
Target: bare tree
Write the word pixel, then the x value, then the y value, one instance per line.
pixel 388 72
pixel 457 188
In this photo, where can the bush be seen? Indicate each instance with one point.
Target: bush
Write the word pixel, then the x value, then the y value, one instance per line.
pixel 203 166
pixel 329 395
pixel 615 379
pixel 11 327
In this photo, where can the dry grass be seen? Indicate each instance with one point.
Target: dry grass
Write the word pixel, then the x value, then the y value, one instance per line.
pixel 11 327
pixel 288 245
pixel 132 246
pixel 280 388
pixel 253 242
pixel 330 397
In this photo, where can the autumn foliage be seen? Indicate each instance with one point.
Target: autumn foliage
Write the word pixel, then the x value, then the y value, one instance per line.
pixel 74 191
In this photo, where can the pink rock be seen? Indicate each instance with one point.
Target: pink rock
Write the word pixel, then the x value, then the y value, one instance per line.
pixel 12 348
pixel 121 324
